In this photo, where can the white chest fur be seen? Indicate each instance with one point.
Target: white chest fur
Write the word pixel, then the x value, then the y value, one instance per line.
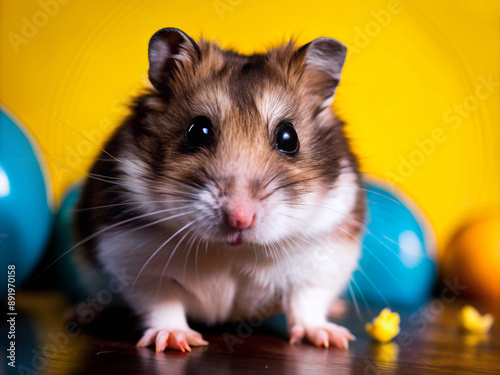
pixel 222 284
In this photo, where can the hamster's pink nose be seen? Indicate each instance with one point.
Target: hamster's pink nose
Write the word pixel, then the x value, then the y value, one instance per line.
pixel 241 217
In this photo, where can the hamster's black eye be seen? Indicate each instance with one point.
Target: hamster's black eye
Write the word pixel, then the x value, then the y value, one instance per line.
pixel 199 133
pixel 287 140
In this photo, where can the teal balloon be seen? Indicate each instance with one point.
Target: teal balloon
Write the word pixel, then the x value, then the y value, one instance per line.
pixel 63 244
pixel 398 264
pixel 25 213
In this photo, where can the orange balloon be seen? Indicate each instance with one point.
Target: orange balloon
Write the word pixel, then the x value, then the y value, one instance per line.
pixel 473 255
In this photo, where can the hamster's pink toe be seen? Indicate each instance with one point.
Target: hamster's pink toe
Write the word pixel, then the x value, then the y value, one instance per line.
pixel 162 341
pixel 148 338
pixel 296 334
pixel 181 340
pixel 330 334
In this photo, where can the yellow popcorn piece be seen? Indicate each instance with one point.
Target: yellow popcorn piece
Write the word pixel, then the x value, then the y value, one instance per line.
pixel 472 321
pixel 384 327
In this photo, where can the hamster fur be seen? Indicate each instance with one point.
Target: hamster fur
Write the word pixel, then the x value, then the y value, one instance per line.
pixel 229 192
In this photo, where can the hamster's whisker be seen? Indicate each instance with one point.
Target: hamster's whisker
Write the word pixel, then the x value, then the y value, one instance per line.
pixel 350 289
pixel 196 257
pixel 164 191
pixel 356 285
pixel 94 176
pixel 138 247
pixel 132 203
pixel 336 211
pixel 193 185
pixel 299 236
pixel 256 259
pixel 105 179
pixel 384 266
pixel 374 192
pixel 156 252
pixel 305 239
pixel 181 192
pixel 162 220
pixel 298 174
pixel 206 247
pixel 61 165
pixel 355 302
pixel 285 250
pixel 271 180
pixel 356 307
pixel 372 284
pixel 273 249
pixel 284 185
pixel 370 231
pixel 297 182
pixel 172 254
pixel 296 243
pixel 363 245
pixel 185 196
pixel 291 246
pixel 194 236
pixel 268 252
pixel 119 181
pixel 181 195
pixel 51 155
pixel 276 253
pixel 363 298
pixel 103 176
pixel 95 234
pixel 70 127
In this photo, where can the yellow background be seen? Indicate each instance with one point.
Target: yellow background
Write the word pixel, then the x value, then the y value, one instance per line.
pixel 411 63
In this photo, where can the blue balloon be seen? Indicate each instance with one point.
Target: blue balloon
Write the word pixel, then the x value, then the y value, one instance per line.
pixel 25 213
pixel 398 265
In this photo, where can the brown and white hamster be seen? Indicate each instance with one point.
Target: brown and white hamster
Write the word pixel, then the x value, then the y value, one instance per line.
pixel 229 192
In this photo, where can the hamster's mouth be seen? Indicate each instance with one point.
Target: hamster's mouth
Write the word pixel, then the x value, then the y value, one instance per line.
pixel 237 240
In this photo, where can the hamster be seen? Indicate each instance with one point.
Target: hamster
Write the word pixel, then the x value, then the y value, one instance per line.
pixel 229 192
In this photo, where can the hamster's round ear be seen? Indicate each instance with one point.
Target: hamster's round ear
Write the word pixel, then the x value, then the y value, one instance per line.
pixel 324 59
pixel 167 48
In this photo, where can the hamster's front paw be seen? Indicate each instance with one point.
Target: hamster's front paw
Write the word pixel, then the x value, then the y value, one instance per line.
pixel 322 335
pixel 176 339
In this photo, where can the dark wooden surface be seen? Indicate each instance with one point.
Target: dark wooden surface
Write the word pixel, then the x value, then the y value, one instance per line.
pixel 429 343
